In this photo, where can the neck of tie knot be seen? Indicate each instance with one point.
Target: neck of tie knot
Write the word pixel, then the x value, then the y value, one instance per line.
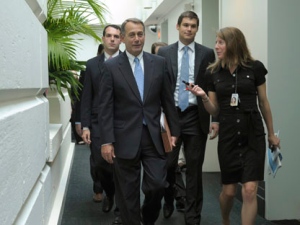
pixel 185 49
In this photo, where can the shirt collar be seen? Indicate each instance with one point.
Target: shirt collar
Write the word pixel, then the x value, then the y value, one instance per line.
pixel 131 57
pixel 113 55
pixel 191 46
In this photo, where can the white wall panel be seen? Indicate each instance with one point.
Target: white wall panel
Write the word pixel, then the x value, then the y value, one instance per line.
pixel 21 42
pixel 251 18
pixel 24 112
pixel 23 149
pixel 283 87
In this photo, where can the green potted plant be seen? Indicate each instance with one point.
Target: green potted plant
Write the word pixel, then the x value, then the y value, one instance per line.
pixel 65 20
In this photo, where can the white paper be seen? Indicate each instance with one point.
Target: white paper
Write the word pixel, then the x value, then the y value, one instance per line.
pixel 162 122
pixel 274 159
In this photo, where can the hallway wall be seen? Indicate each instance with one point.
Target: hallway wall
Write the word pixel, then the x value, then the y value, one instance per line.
pixel 31 163
pixel 24 112
pixel 283 198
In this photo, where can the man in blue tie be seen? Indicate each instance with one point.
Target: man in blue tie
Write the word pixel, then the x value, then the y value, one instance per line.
pixel 187 62
pixel 134 88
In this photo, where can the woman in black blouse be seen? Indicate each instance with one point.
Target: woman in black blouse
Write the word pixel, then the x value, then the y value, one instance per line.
pixel 241 147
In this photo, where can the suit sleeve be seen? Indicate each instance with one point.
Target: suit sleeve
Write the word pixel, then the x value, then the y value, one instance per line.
pixel 78 102
pixel 106 108
pixel 168 103
pixel 86 98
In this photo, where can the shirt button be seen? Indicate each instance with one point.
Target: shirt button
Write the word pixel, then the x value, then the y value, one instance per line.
pixel 238 132
pixel 239 144
pixel 232 86
pixel 241 154
pixel 238 120
pixel 233 75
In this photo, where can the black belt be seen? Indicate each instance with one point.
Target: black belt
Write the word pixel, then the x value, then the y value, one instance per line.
pixel 188 109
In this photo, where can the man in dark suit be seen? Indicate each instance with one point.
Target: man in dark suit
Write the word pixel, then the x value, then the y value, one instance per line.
pixel 78 104
pixel 193 119
pixel 101 171
pixel 134 89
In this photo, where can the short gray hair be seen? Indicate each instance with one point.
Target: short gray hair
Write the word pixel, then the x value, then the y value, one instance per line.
pixel 133 20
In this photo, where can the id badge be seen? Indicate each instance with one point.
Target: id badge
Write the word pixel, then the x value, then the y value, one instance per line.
pixel 234 99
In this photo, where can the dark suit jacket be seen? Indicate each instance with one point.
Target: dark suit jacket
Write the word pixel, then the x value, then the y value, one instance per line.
pixel 203 57
pixel 122 110
pixel 90 97
pixel 77 107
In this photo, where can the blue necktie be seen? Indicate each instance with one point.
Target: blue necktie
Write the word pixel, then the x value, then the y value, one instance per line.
pixel 183 96
pixel 139 76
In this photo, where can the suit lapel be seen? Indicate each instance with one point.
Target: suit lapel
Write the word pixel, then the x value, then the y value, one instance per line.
pixel 198 60
pixel 100 61
pixel 174 59
pixel 126 71
pixel 148 71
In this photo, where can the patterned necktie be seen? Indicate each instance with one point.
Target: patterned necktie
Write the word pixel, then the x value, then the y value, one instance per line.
pixel 139 76
pixel 183 98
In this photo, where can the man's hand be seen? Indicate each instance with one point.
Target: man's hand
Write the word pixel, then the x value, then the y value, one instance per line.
pixel 86 136
pixel 173 142
pixel 213 130
pixel 108 152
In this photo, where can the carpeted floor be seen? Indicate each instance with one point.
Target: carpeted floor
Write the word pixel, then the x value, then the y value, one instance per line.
pixel 79 209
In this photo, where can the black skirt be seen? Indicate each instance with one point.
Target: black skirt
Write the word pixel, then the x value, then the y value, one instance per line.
pixel 242 147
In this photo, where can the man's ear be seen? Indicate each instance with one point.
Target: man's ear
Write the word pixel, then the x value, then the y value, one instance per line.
pixel 122 38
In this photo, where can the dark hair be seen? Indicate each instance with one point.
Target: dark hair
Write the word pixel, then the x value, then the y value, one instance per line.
pixel 100 49
pixel 111 25
pixel 156 44
pixel 190 15
pixel 133 20
pixel 237 52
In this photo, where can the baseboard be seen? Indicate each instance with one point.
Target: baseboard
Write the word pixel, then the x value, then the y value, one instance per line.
pixel 60 195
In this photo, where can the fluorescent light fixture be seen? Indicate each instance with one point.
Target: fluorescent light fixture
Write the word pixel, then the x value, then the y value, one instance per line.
pixel 147 4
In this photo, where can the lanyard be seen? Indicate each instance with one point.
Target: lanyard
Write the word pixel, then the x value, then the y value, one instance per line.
pixel 236 74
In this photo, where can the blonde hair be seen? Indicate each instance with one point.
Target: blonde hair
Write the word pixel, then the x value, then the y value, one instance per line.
pixel 237 52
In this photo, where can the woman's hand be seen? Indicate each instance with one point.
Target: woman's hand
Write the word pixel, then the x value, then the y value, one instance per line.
pixel 196 90
pixel 274 141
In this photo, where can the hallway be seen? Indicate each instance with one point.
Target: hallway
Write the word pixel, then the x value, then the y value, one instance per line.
pixel 79 209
